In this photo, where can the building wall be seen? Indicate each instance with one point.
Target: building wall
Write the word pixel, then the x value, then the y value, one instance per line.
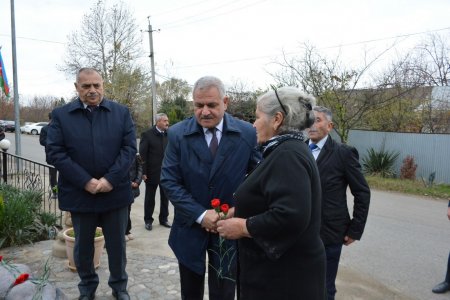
pixel 431 152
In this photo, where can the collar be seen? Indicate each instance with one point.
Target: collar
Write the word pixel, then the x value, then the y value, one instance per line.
pixel 218 127
pixel 159 130
pixel 78 104
pixel 321 143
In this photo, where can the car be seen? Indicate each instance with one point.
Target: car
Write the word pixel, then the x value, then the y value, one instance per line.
pixel 34 128
pixel 10 126
pixel 22 128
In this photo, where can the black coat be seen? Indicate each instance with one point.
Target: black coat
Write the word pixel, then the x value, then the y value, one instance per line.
pixel 151 148
pixel 339 168
pixel 285 258
pixel 136 175
pixel 43 140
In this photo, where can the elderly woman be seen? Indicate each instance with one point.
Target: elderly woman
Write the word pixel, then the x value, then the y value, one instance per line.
pixel 277 212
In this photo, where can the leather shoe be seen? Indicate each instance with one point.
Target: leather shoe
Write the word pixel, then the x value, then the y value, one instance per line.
pixel 121 295
pixel 165 224
pixel 86 297
pixel 441 288
pixel 148 226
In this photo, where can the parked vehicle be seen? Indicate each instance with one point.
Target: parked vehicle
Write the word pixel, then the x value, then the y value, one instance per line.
pixel 34 128
pixel 22 128
pixel 8 126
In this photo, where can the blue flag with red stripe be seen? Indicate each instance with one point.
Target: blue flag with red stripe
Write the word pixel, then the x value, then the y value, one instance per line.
pixel 3 79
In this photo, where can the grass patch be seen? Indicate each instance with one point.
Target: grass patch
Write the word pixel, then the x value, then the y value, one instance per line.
pixel 406 186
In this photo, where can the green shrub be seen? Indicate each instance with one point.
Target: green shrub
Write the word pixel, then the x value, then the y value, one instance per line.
pixel 380 163
pixel 20 216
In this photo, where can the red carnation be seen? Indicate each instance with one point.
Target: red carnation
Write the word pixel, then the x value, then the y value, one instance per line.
pixel 215 203
pixel 1 258
pixel 224 208
pixel 22 278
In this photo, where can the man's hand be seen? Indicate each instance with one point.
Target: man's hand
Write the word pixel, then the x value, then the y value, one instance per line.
pixel 134 185
pixel 209 220
pixel 448 213
pixel 103 186
pixel 144 177
pixel 91 186
pixel 348 240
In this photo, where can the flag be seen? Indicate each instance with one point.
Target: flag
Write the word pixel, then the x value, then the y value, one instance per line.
pixel 3 78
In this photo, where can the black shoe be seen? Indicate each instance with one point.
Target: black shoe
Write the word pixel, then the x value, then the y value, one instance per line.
pixel 441 288
pixel 121 295
pixel 165 224
pixel 148 226
pixel 86 297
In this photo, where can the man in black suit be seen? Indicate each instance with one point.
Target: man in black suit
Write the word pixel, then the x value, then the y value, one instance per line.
pixel 151 148
pixel 339 168
pixel 43 142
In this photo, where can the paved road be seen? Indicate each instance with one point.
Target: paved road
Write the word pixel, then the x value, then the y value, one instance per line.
pixel 402 255
pixel 405 244
pixel 31 149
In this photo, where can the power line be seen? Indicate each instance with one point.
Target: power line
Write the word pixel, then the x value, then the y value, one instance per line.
pixel 34 39
pixel 322 48
pixel 200 13
pixel 179 8
pixel 209 17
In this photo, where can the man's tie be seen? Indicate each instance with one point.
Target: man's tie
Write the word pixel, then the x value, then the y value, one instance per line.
pixel 214 142
pixel 313 146
pixel 90 110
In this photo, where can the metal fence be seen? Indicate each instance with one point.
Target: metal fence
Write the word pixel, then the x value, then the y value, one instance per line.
pixel 431 152
pixel 26 174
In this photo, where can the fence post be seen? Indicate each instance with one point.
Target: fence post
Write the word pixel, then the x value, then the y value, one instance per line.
pixel 4 145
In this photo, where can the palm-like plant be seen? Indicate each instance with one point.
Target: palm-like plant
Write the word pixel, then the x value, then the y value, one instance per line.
pixel 380 163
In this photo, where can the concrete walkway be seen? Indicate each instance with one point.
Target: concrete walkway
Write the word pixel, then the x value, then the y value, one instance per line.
pixel 153 269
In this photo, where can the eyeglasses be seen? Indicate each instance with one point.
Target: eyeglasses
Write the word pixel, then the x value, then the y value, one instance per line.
pixel 278 98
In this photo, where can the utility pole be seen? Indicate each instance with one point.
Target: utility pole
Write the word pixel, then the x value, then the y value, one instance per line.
pixel 152 61
pixel 16 85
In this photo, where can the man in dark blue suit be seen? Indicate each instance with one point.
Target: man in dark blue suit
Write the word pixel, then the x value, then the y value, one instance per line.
pixel 339 168
pixel 207 157
pixel 91 141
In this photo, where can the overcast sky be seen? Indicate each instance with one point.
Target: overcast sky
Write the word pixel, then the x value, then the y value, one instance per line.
pixel 234 40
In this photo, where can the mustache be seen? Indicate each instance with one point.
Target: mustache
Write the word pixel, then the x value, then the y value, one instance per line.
pixel 206 118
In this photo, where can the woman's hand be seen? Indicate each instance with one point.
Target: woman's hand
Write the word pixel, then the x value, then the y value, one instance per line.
pixel 233 228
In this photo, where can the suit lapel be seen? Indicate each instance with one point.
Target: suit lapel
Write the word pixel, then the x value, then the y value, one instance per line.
pixel 226 146
pixel 326 151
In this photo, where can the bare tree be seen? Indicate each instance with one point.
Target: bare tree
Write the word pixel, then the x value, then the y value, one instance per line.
pixel 427 66
pixel 108 40
pixel 351 93
pixel 242 101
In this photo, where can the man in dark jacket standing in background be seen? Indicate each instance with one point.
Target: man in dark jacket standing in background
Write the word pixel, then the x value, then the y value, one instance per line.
pixel 43 141
pixel 339 168
pixel 151 148
pixel 92 143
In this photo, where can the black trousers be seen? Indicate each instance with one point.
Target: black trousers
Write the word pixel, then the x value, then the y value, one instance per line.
pixel 193 285
pixel 149 204
pixel 333 253
pixel 52 172
pixel 113 224
pixel 127 231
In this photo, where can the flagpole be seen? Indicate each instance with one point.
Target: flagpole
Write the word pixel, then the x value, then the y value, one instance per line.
pixel 15 84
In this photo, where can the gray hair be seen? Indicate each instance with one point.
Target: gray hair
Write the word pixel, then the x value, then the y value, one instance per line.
pixel 208 82
pixel 325 110
pixel 86 70
pixel 159 116
pixel 295 106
